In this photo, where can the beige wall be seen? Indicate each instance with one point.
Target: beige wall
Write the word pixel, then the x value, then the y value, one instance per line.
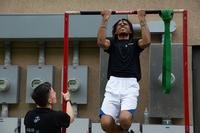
pixel 26 53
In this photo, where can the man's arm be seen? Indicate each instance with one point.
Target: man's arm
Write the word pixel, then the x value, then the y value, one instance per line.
pixel 69 109
pixel 101 34
pixel 145 41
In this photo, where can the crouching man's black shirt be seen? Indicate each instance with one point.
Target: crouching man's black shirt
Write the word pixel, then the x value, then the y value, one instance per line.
pixel 45 120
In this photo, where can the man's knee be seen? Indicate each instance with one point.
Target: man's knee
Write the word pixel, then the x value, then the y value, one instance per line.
pixel 125 123
pixel 125 119
pixel 107 123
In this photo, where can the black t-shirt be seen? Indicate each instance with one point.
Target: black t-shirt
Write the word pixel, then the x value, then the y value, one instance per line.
pixel 124 58
pixel 45 120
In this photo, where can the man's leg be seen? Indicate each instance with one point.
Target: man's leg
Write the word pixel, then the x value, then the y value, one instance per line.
pixel 109 126
pixel 125 119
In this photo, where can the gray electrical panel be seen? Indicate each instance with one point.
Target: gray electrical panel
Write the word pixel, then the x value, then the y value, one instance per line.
pixel 9 84
pixel 151 128
pixel 103 72
pixel 78 83
pixel 161 104
pixel 9 125
pixel 36 75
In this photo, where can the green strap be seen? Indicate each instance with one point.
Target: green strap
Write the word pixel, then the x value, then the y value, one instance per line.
pixel 167 16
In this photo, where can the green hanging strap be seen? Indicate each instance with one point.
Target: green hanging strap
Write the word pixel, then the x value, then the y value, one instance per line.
pixel 167 16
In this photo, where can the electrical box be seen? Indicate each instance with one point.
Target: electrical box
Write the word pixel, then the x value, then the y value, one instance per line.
pixel 9 84
pixel 78 83
pixel 160 104
pixel 35 76
pixel 103 72
pixel 74 85
pixel 152 128
pixel 9 125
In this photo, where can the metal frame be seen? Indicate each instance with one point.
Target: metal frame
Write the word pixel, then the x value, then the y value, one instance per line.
pixel 185 53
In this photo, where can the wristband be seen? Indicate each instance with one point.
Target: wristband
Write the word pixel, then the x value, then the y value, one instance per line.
pixel 103 26
pixel 68 101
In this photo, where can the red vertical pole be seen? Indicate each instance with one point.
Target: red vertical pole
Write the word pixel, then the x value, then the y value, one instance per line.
pixel 65 61
pixel 185 66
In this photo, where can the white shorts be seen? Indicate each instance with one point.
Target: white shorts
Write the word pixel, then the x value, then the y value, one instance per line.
pixel 121 94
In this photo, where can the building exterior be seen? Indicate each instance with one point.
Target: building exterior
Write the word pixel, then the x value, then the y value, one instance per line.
pixel 25 50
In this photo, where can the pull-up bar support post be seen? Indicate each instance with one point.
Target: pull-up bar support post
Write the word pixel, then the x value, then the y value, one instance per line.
pixel 185 53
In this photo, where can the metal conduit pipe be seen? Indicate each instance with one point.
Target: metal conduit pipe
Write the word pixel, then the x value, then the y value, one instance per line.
pixel 7 62
pixel 41 60
pixel 75 58
pixel 75 64
pixel 4 110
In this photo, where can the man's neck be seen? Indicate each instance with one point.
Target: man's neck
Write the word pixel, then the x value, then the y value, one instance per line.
pixel 123 36
pixel 47 106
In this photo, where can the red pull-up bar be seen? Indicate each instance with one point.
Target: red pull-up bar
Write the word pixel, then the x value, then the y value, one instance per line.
pixel 185 54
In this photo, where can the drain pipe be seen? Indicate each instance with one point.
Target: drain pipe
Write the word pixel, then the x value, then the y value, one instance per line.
pixel 75 64
pixel 7 62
